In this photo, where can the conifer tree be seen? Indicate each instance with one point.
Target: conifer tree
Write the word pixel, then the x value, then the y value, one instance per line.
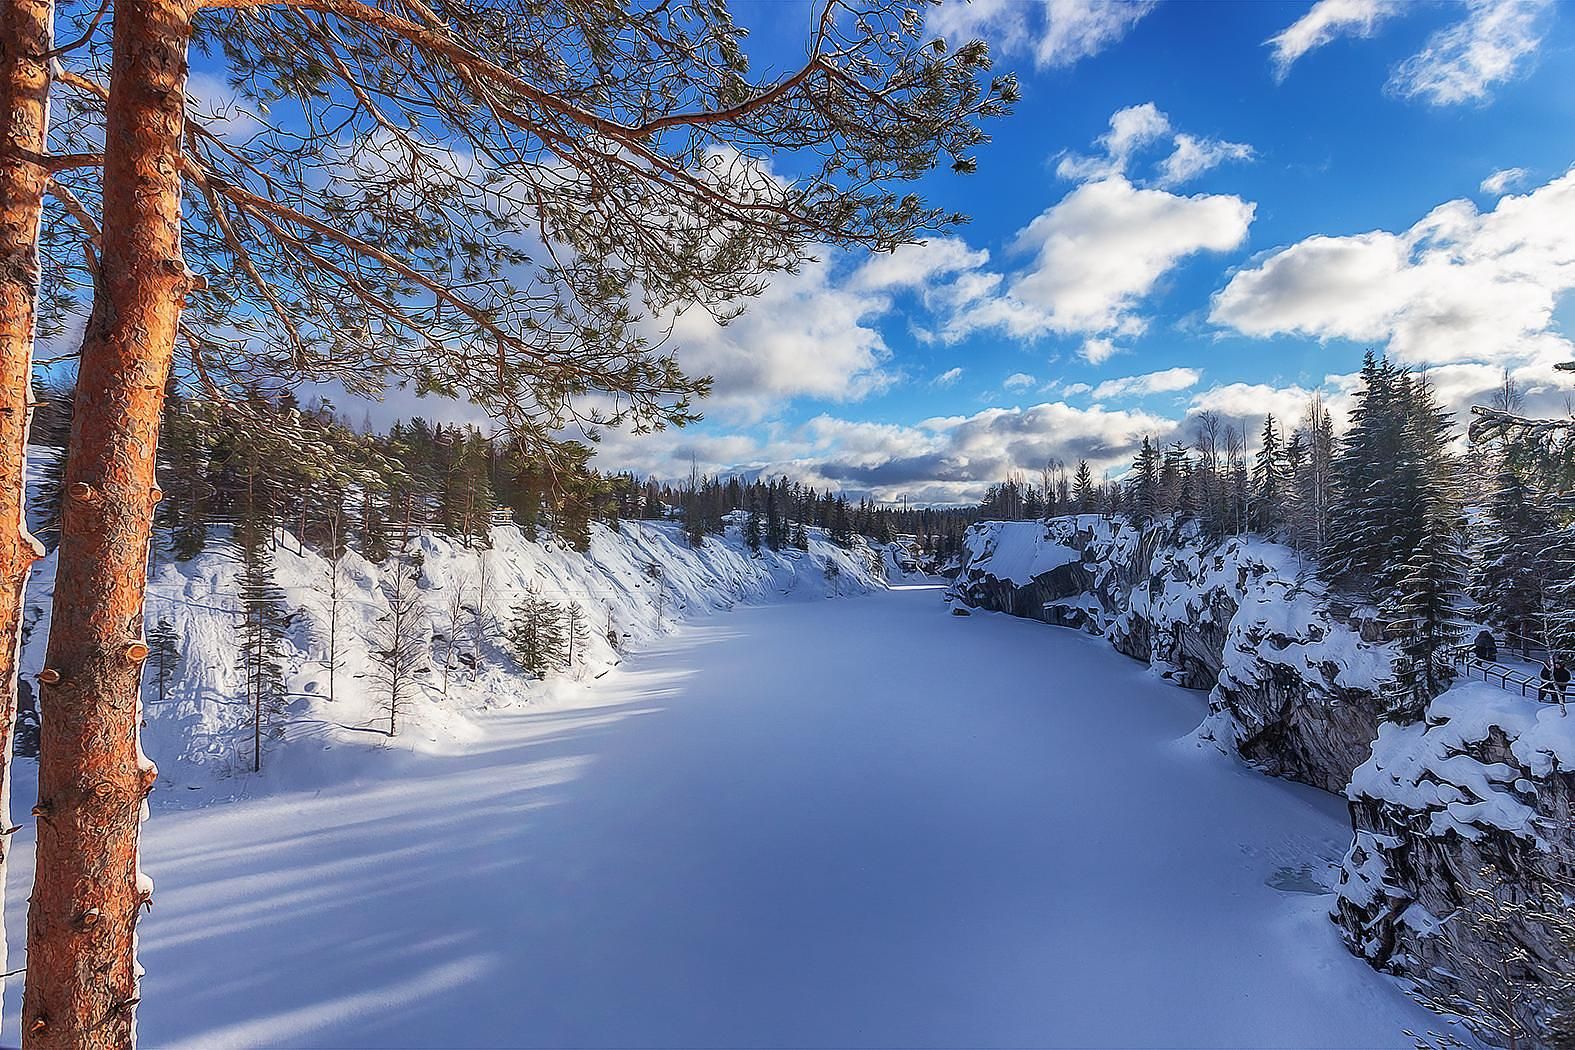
pixel 1144 486
pixel 1511 573
pixel 576 635
pixel 265 619
pixel 164 652
pixel 1429 582
pixel 754 528
pixel 1268 482
pixel 536 634
pixel 1083 488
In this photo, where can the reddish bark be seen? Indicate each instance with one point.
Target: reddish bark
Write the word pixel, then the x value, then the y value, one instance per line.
pixel 24 104
pixel 81 933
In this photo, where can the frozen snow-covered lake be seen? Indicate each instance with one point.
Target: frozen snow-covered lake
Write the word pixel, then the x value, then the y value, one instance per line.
pixel 850 823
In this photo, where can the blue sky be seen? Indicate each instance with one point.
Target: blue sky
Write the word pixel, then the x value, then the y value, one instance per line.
pixel 1195 207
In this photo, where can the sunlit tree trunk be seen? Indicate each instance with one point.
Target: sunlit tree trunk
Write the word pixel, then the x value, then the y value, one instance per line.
pixel 93 780
pixel 24 108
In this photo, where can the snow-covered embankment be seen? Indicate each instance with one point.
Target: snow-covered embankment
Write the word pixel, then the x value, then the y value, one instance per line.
pixel 632 584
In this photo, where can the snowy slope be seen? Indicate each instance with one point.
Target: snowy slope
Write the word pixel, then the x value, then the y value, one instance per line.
pixel 634 583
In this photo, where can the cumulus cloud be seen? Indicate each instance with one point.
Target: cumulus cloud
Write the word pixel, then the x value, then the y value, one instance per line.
pixel 1193 156
pixel 1134 129
pixel 1459 63
pixel 914 265
pixel 1166 381
pixel 1326 21
pixel 1055 33
pixel 1018 381
pixel 1097 253
pixel 1460 285
pixel 1097 351
pixel 760 358
pixel 1131 129
pixel 1503 180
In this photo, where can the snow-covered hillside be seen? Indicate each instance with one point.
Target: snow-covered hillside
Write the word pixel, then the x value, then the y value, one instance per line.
pixel 633 584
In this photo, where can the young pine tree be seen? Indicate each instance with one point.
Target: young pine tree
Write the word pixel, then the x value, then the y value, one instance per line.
pixel 164 654
pixel 265 619
pixel 536 634
pixel 576 635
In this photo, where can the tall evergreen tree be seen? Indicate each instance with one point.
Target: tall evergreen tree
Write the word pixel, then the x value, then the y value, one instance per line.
pixel 1144 486
pixel 1083 488
pixel 1268 479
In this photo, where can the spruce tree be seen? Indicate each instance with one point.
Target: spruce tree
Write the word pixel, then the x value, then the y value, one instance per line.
pixel 1510 575
pixel 1268 481
pixel 265 619
pixel 1083 488
pixel 164 653
pixel 536 634
pixel 1429 573
pixel 1144 486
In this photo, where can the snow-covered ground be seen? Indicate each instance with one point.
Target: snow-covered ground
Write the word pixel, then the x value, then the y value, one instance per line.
pixel 859 822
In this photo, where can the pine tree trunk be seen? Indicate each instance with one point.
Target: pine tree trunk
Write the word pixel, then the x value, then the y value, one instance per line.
pixel 93 780
pixel 24 101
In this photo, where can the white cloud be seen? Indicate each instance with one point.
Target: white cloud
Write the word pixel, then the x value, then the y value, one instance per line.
pixel 1166 381
pixel 1326 21
pixel 1056 33
pixel 914 265
pixel 1131 129
pixel 1459 63
pixel 1097 351
pixel 1503 180
pixel 805 335
pixel 1074 389
pixel 1018 381
pixel 1193 156
pixel 1245 404
pixel 1098 253
pixel 1135 128
pixel 947 378
pixel 1458 286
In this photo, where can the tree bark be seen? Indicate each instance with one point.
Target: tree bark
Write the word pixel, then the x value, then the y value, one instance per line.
pixel 25 38
pixel 93 779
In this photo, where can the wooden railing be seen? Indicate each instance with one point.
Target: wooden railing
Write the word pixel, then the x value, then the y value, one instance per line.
pixel 1512 679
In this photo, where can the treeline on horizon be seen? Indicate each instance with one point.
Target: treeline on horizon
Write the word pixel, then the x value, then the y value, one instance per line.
pixel 260 463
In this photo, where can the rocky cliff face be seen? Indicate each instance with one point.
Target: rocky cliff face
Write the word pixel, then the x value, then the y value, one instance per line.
pixel 1293 678
pixel 1475 797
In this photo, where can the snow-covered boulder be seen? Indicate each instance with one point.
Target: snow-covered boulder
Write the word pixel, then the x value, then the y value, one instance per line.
pixel 1485 781
pixel 1294 683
